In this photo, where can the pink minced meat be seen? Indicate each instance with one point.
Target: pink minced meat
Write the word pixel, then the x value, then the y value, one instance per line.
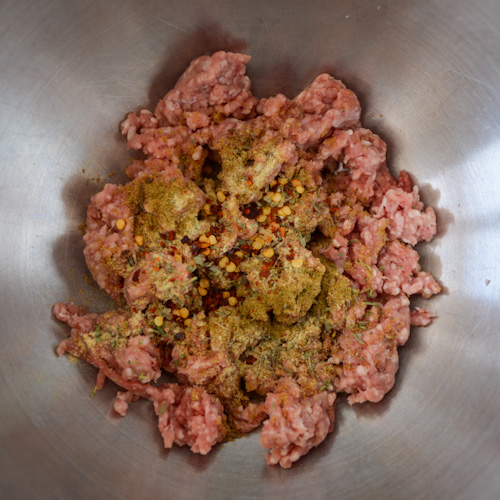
pixel 76 317
pixel 421 317
pixel 370 359
pixel 399 264
pixel 210 84
pixel 249 418
pixel 103 240
pixel 371 225
pixel 122 401
pixel 203 367
pixel 296 424
pixel 139 360
pixel 320 108
pixel 407 219
pixel 163 143
pixel 189 415
pixel 363 152
pixel 138 168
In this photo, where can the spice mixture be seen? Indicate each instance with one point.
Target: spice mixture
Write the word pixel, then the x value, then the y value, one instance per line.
pixel 262 253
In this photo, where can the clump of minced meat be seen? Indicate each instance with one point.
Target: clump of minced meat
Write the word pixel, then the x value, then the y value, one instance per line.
pixel 251 267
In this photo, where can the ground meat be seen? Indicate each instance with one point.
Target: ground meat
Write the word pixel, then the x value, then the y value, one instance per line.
pixel 189 415
pixel 249 418
pixel 261 254
pixel 362 152
pixel 323 106
pixel 215 84
pixel 139 360
pixel 166 167
pixel 123 399
pixel 421 317
pixel 370 358
pixel 296 424
pixel 399 264
pixel 407 219
pixel 106 247
pixel 76 317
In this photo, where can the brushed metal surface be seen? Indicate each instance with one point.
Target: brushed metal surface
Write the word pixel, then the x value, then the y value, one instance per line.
pixel 427 75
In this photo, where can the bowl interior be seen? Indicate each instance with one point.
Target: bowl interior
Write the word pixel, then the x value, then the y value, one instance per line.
pixel 426 74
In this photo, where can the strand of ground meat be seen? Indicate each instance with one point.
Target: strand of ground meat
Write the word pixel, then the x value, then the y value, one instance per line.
pixel 296 424
pixel 186 415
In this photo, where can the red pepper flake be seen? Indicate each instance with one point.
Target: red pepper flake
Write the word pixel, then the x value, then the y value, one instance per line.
pixel 265 273
pixel 250 360
pixel 171 235
pixel 162 244
pixel 156 268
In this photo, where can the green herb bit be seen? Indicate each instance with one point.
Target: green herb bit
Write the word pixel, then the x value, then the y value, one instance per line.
pixel 163 408
pixel 325 385
pixel 98 333
pixel 199 260
pixel 358 338
pixel 160 331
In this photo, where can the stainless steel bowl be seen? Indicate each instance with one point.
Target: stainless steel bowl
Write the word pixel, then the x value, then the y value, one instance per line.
pixel 427 75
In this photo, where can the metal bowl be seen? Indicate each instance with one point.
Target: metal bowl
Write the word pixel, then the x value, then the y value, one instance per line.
pixel 427 76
